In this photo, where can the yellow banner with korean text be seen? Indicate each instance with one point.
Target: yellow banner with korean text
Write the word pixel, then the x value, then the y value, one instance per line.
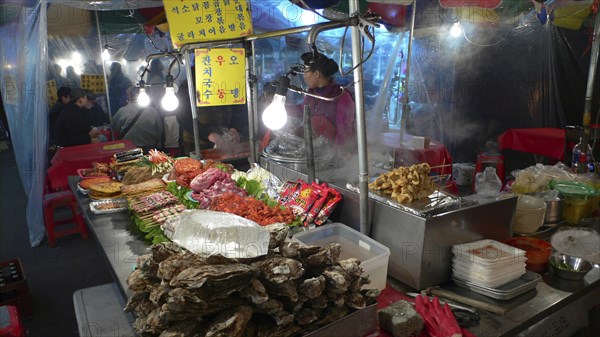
pixel 221 76
pixel 199 21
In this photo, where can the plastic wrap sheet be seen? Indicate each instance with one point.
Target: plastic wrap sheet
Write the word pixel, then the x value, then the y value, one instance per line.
pixel 436 203
pixel 23 56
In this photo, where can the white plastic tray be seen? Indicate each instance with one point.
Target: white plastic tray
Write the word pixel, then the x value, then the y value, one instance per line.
pixel 488 252
pixel 81 190
pixel 485 281
pixel 505 292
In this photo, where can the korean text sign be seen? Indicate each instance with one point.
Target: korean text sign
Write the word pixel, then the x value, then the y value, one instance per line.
pixel 220 76
pixel 199 21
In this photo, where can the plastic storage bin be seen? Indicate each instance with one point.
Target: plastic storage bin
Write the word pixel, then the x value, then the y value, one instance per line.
pixel 373 255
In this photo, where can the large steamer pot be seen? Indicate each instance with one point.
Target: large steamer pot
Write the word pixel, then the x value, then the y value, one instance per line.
pixel 322 159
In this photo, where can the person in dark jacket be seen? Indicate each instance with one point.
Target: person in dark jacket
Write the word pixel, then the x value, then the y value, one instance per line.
pixel 72 128
pixel 64 96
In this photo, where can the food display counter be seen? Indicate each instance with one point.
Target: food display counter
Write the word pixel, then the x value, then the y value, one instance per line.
pixel 552 306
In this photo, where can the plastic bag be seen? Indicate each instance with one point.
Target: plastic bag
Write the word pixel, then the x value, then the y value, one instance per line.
pixel 209 233
pixel 487 183
pixel 536 178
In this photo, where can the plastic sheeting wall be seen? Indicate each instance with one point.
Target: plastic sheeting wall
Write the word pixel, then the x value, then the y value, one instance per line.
pixel 23 53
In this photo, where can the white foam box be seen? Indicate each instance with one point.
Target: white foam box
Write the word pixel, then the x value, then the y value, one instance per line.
pixel 373 255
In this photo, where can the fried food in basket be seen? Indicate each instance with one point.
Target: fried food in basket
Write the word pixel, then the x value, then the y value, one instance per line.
pixel 405 184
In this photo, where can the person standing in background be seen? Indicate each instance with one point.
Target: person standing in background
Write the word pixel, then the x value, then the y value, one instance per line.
pixel 117 85
pixel 73 80
pixel 95 115
pixel 64 96
pixel 72 127
pixel 141 125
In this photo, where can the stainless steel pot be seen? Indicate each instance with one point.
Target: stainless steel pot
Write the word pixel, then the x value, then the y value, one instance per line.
pixel 554 210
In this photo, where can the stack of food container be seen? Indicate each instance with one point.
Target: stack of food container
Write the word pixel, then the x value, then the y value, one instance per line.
pixel 487 263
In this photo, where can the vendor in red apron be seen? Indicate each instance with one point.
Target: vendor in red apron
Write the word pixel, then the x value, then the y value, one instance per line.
pixel 334 120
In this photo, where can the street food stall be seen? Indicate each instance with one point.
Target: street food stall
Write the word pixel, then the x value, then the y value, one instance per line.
pixel 194 237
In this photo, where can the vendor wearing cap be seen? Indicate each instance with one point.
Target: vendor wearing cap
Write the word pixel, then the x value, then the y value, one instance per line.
pixel 72 127
pixel 334 120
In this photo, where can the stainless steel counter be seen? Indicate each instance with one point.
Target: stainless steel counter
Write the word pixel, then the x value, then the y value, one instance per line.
pixel 550 303
pixel 121 242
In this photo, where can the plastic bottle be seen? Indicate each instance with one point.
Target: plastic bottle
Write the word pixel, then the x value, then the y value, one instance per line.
pixel 582 161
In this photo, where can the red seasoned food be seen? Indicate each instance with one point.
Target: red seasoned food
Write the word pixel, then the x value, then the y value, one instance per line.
pixel 186 165
pixel 251 209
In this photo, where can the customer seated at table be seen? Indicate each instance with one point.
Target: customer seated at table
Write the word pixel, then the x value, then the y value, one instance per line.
pixel 72 127
pixel 141 125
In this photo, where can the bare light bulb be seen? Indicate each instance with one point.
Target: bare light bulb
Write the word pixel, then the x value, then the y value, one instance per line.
pixel 105 54
pixel 456 30
pixel 143 99
pixel 169 101
pixel 274 117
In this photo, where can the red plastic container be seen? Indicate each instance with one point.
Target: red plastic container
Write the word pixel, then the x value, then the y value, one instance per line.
pixel 537 251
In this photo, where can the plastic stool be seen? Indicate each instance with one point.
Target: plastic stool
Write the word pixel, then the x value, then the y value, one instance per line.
pixel 495 160
pixel 62 199
pixel 10 322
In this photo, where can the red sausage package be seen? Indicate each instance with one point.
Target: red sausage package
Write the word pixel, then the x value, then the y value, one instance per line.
pixel 333 198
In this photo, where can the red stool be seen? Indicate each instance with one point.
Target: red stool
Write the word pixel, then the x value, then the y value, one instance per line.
pixel 495 160
pixel 10 322
pixel 58 199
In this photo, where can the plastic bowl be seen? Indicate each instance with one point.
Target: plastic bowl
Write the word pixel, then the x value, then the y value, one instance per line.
pixel 569 267
pixel 529 215
pixel 537 252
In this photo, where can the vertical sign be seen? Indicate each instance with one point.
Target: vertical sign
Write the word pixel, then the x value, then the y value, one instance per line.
pixel 51 92
pixel 220 76
pixel 207 20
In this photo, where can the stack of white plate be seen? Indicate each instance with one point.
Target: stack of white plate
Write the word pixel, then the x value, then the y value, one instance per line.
pixel 487 263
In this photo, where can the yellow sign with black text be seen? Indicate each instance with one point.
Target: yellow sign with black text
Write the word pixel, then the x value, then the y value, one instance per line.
pixel 198 21
pixel 221 76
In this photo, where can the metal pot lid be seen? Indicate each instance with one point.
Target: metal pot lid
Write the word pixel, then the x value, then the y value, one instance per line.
pixel 573 188
pixel 321 155
pixel 581 242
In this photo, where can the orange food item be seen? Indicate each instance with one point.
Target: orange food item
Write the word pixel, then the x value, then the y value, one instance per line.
pixel 251 209
pixel 186 165
pixel 85 183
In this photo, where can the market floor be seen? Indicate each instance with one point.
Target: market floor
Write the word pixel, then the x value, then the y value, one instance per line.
pixel 53 274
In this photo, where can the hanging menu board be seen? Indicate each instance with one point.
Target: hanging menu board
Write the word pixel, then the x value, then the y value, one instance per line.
pixel 221 74
pixel 95 83
pixel 198 21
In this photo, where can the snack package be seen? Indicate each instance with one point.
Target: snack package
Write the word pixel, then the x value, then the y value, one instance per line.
pixel 323 191
pixel 333 198
pixel 288 189
pixel 302 200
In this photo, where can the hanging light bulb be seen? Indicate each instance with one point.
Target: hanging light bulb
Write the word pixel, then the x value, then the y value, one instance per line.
pixel 105 54
pixel 456 30
pixel 274 117
pixel 143 99
pixel 169 101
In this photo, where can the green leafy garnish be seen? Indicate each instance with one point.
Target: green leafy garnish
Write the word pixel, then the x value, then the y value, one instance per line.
pixel 181 193
pixel 253 187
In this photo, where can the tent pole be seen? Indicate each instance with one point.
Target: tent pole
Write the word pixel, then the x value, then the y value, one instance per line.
pixel 405 106
pixel 587 110
pixel 251 103
pixel 104 73
pixel 192 93
pixel 363 169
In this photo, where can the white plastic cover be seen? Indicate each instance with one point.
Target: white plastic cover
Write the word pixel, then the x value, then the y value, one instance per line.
pixel 210 232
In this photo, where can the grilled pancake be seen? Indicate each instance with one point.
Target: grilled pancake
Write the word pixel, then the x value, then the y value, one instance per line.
pixel 85 183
